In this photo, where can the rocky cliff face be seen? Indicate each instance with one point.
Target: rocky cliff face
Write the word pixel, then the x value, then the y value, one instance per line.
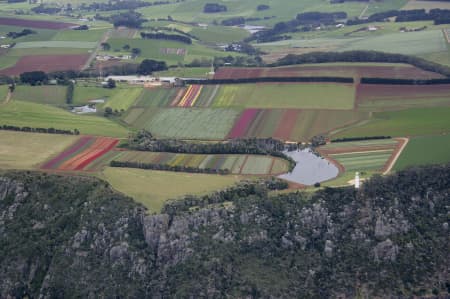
pixel 76 237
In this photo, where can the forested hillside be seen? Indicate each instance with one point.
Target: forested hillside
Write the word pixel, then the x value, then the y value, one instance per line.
pixel 75 237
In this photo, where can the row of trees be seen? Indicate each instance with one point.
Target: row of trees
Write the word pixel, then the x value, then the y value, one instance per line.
pixel 24 32
pixel 119 5
pixel 349 139
pixel 214 8
pixel 272 79
pixel 439 16
pixel 165 36
pixel 362 56
pixel 144 141
pixel 69 93
pixel 167 167
pixel 40 130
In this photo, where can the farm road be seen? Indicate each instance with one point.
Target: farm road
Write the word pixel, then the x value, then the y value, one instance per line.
pixel 7 98
pixel 397 153
pixel 94 52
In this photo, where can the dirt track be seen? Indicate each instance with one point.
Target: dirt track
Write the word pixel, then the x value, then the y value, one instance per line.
pixel 398 150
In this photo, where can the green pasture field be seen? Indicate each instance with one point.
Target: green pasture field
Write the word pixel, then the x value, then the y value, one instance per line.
pixel 18 113
pixel 56 44
pixel 123 98
pixel 354 31
pixel 153 188
pixel 219 34
pixel 442 57
pixel 46 94
pixel 363 161
pixel 409 43
pixel 152 49
pixel 411 122
pixel 395 104
pixel 387 38
pixel 20 150
pixel 3 92
pixel 186 72
pixel 156 97
pixel 7 61
pixel 375 7
pixel 301 96
pixel 40 35
pixel 188 123
pixel 427 5
pixel 257 165
pixel 92 35
pixel 282 10
pixel 83 94
pixel 424 150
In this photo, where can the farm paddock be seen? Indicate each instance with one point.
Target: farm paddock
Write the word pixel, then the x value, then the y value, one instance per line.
pixel 46 63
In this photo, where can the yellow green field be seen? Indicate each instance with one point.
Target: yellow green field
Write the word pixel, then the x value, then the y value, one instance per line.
pixel 282 95
pixel 34 115
pixel 20 150
pixel 153 188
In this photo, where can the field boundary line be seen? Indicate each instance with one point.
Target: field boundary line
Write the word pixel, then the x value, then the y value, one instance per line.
pixel 212 96
pixel 243 164
pixel 447 34
pixel 362 152
pixel 397 152
pixel 364 11
pixel 7 98
pixel 271 166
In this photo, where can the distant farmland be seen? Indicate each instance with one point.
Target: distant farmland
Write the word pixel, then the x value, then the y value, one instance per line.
pixel 46 63
pixel 384 97
pixel 411 122
pixel 380 70
pixel 289 95
pixel 35 23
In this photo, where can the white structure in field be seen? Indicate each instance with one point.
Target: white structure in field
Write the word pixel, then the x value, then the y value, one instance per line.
pixel 357 181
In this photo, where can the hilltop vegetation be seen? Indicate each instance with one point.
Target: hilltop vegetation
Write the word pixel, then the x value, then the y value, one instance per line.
pixel 388 239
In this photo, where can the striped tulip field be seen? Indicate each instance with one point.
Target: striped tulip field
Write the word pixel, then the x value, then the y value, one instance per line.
pixel 190 96
pixel 82 153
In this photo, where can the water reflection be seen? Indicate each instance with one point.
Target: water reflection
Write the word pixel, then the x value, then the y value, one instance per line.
pixel 310 169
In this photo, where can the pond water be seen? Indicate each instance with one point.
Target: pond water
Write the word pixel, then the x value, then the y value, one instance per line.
pixel 310 169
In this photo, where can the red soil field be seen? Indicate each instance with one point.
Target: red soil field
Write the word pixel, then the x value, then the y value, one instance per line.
pixel 285 127
pixel 46 63
pixel 83 152
pixel 396 92
pixel 399 72
pixel 35 23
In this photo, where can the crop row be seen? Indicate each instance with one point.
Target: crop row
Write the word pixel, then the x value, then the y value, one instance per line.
pixel 82 153
pixel 236 164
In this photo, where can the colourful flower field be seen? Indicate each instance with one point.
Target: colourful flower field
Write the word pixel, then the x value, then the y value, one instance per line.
pixel 277 123
pixel 236 164
pixel 82 153
pixel 362 155
pixel 190 97
pixel 290 124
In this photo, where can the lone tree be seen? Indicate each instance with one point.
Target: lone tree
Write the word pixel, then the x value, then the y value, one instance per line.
pixel 136 52
pixel 105 46
pixel 149 66
pixel 111 83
